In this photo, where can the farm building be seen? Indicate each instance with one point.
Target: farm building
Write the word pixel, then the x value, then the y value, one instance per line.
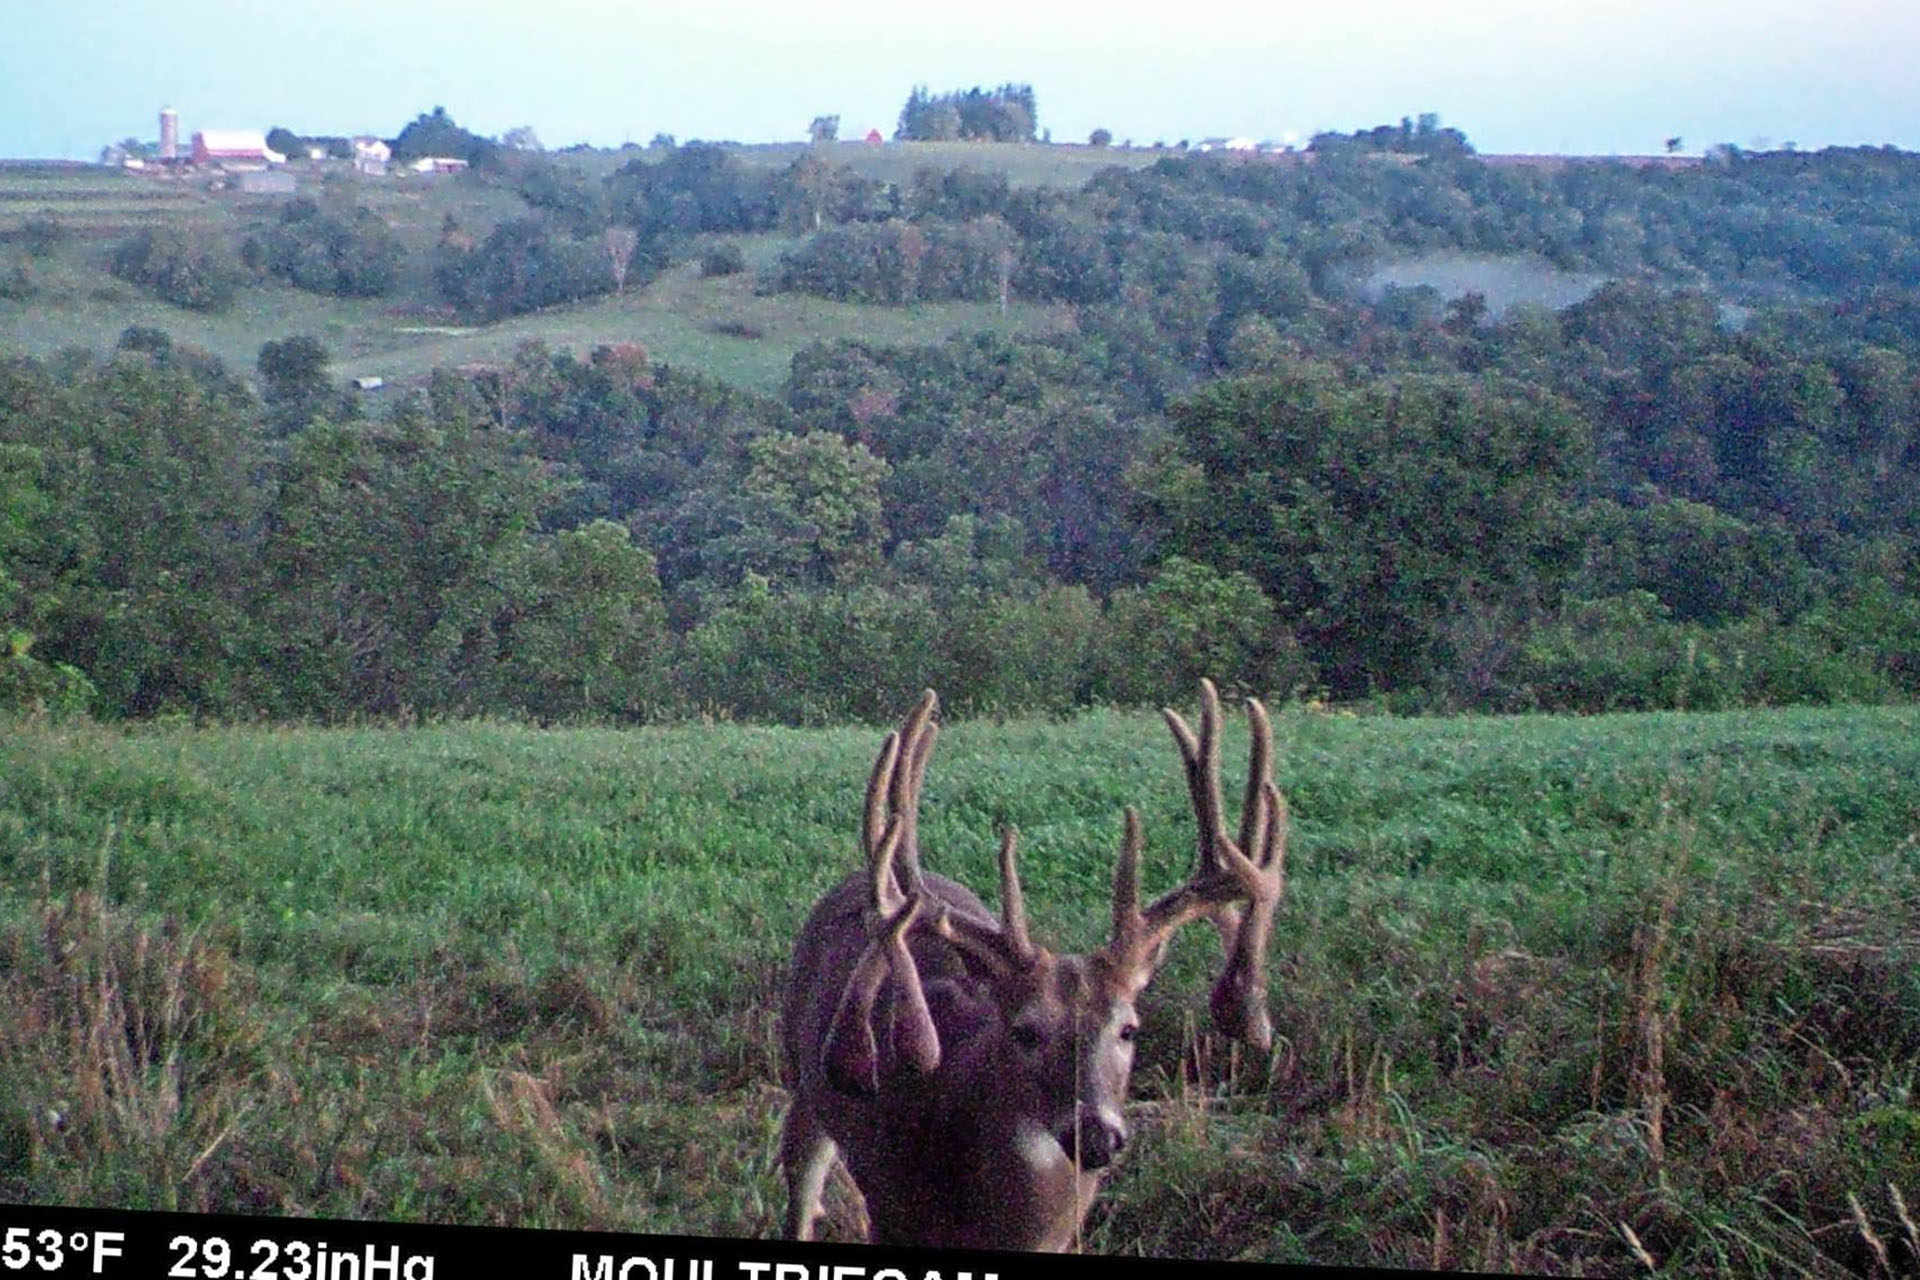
pixel 370 156
pixel 1226 144
pixel 438 164
pixel 234 149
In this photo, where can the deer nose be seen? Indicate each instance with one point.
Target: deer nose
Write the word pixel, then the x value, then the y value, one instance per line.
pixel 1095 1140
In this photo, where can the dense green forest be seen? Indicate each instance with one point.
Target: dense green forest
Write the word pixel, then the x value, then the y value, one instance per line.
pixel 1698 486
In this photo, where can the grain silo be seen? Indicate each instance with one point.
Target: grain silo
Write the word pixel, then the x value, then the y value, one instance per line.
pixel 169 134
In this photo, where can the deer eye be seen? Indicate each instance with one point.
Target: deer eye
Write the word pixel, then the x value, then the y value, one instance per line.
pixel 1026 1035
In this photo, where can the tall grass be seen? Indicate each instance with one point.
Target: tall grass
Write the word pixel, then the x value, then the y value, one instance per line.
pixel 1591 996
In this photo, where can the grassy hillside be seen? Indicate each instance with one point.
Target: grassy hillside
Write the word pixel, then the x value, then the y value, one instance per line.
pixel 716 325
pixel 1551 993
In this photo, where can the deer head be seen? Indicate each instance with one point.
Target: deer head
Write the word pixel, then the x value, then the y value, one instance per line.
pixel 973 1080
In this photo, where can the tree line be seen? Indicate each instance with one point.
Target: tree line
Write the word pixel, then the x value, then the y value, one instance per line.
pixel 564 538
pixel 1758 228
pixel 1005 114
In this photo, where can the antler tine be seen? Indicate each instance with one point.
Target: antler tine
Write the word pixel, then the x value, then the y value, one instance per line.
pixel 873 827
pixel 917 737
pixel 1254 815
pixel 1139 937
pixel 1256 818
pixel 916 774
pixel 1005 948
pixel 884 893
pixel 1200 756
pixel 1273 850
pixel 1210 761
pixel 1013 903
pixel 1140 933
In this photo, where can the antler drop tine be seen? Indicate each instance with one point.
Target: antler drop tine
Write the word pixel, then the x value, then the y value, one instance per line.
pixel 1013 903
pixel 851 1050
pixel 915 1040
pixel 1239 999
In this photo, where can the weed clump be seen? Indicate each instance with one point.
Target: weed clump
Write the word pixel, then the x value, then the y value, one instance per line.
pixel 129 1058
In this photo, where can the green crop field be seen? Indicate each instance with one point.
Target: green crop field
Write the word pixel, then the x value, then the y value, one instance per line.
pixel 1567 995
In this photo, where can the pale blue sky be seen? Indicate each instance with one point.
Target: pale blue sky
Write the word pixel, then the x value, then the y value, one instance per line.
pixel 1609 76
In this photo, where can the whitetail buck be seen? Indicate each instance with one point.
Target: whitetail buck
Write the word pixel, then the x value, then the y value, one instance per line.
pixel 972 1080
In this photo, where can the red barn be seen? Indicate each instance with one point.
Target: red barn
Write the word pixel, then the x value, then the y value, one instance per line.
pixel 234 149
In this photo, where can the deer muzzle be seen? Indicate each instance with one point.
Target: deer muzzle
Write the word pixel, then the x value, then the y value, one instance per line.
pixel 1094 1139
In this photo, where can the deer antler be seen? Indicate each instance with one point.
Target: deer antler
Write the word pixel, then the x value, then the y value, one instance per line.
pixel 888 835
pixel 897 890
pixel 893 795
pixel 1236 884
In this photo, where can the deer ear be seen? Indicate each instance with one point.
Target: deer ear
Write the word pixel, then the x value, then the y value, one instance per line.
pixel 1238 1004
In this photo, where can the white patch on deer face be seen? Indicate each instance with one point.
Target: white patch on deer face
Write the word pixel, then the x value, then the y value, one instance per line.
pixel 1038 1148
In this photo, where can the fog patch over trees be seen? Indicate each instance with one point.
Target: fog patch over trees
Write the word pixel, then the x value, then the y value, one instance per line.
pixel 1505 281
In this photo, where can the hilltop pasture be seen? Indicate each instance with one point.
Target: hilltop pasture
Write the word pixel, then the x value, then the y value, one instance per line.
pixel 1567 995
pixel 719 326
